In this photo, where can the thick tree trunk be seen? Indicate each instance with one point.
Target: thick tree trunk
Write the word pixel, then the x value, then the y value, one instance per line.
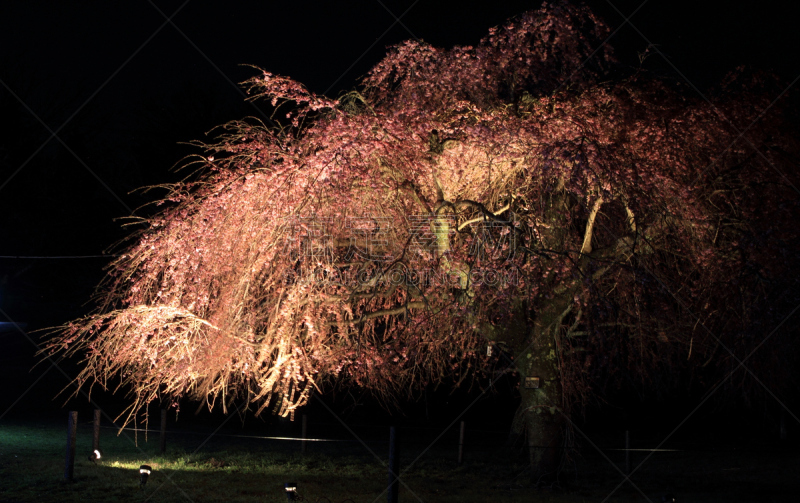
pixel 540 409
pixel 540 414
pixel 543 421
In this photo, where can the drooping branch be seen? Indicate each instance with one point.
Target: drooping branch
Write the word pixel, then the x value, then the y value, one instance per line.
pixel 631 218
pixel 491 215
pixel 484 217
pixel 586 248
pixel 382 312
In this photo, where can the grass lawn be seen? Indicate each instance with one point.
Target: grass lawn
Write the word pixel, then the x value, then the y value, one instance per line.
pixel 229 469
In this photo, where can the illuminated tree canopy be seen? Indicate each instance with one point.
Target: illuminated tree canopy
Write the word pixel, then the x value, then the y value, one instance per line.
pixel 511 194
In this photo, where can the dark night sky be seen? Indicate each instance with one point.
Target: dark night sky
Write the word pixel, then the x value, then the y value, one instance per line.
pixel 139 86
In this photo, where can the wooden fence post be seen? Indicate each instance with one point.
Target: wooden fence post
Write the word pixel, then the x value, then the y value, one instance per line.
pixel 393 484
pixel 96 430
pixel 461 443
pixel 72 433
pixel 627 452
pixel 163 443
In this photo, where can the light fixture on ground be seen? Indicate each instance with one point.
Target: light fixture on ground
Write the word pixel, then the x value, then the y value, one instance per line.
pixel 95 456
pixel 144 472
pixel 291 491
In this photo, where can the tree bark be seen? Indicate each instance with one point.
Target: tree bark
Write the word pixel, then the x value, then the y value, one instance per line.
pixel 540 414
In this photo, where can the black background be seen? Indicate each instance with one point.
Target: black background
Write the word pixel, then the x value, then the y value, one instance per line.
pixel 122 94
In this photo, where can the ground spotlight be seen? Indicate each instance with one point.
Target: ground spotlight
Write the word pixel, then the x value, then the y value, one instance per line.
pixel 291 491
pixel 144 472
pixel 668 498
pixel 95 455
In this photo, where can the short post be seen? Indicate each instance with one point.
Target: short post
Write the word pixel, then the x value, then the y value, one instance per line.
pixel 461 443
pixel 72 433
pixel 304 433
pixel 393 484
pixel 96 430
pixel 627 452
pixel 163 443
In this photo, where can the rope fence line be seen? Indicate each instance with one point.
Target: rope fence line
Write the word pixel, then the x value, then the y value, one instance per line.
pixel 300 439
pixel 406 428
pixel 649 450
pixel 182 432
pixel 362 426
